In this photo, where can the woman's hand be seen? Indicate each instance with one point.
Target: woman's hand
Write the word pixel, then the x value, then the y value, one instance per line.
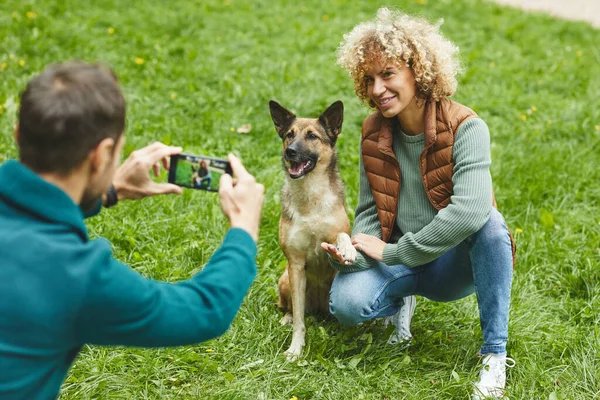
pixel 369 245
pixel 335 253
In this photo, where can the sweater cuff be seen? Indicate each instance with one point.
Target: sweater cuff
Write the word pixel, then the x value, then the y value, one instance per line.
pixel 390 256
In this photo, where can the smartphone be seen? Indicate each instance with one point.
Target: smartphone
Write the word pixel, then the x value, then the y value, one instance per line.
pixel 198 172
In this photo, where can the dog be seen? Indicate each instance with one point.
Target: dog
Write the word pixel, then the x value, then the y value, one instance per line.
pixel 313 211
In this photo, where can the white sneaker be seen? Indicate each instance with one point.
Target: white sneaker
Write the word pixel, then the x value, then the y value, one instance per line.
pixel 492 378
pixel 401 320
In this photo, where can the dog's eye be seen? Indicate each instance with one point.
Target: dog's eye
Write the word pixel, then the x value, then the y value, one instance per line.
pixel 290 134
pixel 311 135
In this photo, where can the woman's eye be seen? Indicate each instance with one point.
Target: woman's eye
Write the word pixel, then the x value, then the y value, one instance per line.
pixel 388 74
pixel 369 80
pixel 311 135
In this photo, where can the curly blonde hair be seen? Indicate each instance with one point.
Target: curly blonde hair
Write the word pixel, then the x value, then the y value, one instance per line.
pixel 403 40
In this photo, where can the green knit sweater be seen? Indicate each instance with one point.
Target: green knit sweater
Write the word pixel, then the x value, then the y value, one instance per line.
pixel 422 233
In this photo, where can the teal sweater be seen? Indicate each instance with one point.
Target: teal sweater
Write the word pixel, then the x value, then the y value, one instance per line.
pixel 60 290
pixel 422 233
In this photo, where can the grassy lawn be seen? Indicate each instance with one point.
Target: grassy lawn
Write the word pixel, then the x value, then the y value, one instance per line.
pixel 195 71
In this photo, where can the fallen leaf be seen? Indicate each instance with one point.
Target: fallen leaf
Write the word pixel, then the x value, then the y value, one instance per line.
pixel 246 128
pixel 252 364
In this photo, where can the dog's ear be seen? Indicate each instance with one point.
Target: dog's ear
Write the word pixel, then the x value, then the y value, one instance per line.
pixel 332 119
pixel 282 117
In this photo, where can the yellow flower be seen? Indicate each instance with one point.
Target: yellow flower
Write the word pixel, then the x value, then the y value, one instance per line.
pixel 579 53
pixel 232 129
pixel 12 56
pixel 111 30
pixel 210 351
pixel 492 64
pixel 293 398
pixel 139 60
pixel 523 117
pixel 173 95
pixel 30 14
pixel 597 127
pixel 533 108
pixel 21 62
pixel 518 230
pixel 3 66
pixel 227 2
pixel 422 1
pixel 549 121
pixel 325 17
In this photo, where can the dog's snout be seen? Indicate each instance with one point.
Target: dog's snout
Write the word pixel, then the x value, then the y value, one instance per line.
pixel 291 152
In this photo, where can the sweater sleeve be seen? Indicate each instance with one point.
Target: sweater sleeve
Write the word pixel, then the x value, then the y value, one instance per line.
pixel 120 307
pixel 469 208
pixel 366 221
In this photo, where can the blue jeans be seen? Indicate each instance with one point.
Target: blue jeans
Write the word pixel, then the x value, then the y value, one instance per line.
pixel 482 263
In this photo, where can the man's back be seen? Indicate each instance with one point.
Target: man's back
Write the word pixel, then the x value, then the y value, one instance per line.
pixel 59 290
pixel 40 285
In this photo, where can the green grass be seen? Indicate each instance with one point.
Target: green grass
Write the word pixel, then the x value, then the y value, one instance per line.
pixel 212 66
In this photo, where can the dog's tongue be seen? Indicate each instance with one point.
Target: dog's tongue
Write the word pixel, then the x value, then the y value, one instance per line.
pixel 298 168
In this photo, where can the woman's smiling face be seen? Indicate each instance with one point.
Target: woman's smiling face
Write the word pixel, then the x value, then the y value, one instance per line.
pixel 391 87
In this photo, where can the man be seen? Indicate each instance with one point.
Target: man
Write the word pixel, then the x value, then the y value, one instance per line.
pixel 60 290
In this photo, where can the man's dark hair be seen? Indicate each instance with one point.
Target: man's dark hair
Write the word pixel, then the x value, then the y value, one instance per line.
pixel 65 112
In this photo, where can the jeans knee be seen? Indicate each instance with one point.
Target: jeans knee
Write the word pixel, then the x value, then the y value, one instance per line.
pixel 349 309
pixel 495 230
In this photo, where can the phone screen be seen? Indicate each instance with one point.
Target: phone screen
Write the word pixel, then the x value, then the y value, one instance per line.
pixel 198 172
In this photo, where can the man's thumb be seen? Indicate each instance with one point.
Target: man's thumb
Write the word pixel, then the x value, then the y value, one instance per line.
pixel 167 188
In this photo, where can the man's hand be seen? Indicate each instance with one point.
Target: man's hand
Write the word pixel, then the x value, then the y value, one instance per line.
pixel 369 245
pixel 242 199
pixel 132 180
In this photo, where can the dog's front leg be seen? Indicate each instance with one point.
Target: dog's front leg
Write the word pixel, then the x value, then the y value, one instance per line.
pixel 345 247
pixel 297 275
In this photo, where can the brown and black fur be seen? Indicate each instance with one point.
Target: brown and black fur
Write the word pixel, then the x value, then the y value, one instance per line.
pixel 313 211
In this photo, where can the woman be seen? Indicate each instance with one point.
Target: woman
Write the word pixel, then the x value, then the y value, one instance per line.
pixel 426 222
pixel 204 177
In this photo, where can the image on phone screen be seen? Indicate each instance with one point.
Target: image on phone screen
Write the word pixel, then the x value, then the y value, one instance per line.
pixel 197 172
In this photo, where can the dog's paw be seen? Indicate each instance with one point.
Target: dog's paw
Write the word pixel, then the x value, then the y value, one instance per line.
pixel 287 319
pixel 293 353
pixel 345 247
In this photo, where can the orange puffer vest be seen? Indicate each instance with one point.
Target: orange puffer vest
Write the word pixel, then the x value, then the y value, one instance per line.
pixel 442 121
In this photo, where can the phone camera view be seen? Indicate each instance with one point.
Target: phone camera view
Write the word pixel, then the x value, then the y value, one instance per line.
pixel 199 172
